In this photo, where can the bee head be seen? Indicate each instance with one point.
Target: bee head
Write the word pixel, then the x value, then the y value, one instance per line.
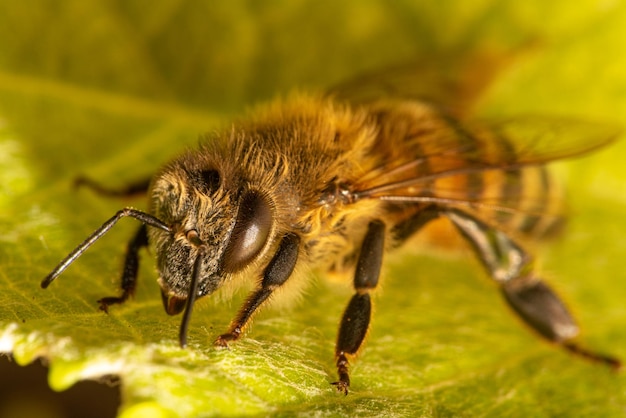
pixel 205 207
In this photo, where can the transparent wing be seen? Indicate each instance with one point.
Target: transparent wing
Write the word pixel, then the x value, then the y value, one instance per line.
pixel 494 166
pixel 444 159
pixel 541 139
pixel 453 82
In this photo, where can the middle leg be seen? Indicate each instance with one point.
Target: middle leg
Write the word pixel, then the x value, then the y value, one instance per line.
pixel 356 318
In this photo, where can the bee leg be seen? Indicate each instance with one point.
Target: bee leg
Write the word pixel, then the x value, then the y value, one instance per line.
pixel 275 275
pixel 356 318
pixel 136 188
pixel 131 267
pixel 407 228
pixel 532 299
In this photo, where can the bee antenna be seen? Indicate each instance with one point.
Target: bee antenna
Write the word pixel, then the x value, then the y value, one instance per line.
pixel 191 299
pixel 97 234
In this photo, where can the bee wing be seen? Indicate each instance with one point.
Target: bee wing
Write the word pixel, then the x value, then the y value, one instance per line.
pixel 453 82
pixel 493 166
pixel 541 139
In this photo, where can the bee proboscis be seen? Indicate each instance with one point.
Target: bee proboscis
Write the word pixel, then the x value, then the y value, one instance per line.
pixel 335 183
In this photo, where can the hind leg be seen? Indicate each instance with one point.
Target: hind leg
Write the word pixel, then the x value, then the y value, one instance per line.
pixel 532 299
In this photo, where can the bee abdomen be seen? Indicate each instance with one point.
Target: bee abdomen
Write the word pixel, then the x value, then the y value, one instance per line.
pixel 527 200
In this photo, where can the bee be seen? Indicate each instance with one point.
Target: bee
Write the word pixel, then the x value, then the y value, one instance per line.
pixel 334 181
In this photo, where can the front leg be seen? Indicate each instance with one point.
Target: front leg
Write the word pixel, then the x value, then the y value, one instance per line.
pixel 128 281
pixel 356 318
pixel 140 240
pixel 275 275
pixel 139 187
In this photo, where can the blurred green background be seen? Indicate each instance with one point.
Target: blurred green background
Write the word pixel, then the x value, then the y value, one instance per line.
pixel 113 89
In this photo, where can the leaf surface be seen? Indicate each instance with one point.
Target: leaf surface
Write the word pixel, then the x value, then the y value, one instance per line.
pixel 114 89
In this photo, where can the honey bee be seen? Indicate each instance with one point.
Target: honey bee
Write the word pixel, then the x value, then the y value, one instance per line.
pixel 335 181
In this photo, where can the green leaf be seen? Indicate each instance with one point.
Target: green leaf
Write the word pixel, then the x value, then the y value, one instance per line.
pixel 114 89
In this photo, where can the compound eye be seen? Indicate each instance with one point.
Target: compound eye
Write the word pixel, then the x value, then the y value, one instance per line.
pixel 252 228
